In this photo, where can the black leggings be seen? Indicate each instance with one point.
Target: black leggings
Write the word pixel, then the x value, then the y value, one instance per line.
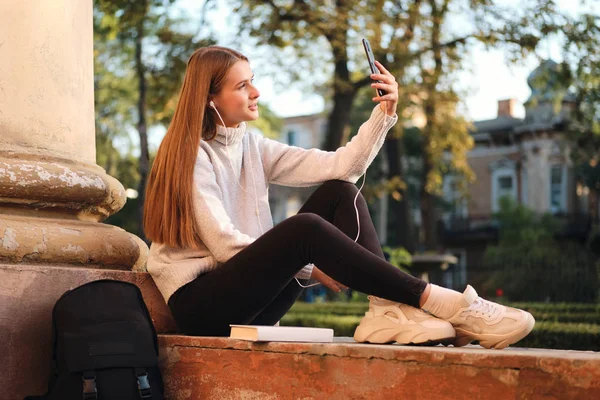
pixel 257 285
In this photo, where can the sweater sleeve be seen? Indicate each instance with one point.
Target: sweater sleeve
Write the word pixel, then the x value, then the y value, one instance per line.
pixel 216 229
pixel 294 166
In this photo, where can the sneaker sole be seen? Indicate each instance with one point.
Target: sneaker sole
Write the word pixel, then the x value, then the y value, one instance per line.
pixel 490 341
pixel 366 333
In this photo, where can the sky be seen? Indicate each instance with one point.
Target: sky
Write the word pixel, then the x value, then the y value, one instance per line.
pixel 490 78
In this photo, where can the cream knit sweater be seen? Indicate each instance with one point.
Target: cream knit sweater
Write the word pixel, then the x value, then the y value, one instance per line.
pixel 231 200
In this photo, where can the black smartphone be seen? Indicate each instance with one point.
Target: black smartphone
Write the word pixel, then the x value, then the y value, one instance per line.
pixel 371 59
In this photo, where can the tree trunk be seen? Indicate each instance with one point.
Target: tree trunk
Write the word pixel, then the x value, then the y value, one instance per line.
pixel 343 88
pixel 338 120
pixel 142 128
pixel 431 80
pixel 399 211
pixel 428 208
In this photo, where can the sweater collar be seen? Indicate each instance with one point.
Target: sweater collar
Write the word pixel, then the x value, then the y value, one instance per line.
pixel 234 135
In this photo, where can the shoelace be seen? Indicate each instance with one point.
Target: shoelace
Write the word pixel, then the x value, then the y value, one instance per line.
pixel 481 306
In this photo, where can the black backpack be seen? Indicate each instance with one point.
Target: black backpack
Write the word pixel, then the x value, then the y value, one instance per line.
pixel 105 345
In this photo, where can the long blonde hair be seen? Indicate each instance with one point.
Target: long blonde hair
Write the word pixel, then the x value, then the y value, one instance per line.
pixel 168 206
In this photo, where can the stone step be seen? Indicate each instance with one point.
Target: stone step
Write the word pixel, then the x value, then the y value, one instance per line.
pixel 224 369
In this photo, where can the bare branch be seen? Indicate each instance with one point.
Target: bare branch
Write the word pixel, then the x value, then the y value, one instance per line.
pixel 413 15
pixel 452 43
pixel 362 82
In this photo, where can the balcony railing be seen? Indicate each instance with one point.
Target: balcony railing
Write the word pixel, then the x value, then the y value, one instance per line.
pixel 485 227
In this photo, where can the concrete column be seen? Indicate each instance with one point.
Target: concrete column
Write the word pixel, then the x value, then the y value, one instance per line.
pixel 52 193
pixel 53 196
pixel 538 175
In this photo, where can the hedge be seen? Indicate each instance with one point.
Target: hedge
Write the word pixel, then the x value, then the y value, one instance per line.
pixel 342 325
pixel 546 334
pixel 562 312
pixel 556 335
pixel 335 308
pixel 557 307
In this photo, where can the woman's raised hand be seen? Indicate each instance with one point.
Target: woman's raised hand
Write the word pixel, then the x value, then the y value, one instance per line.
pixel 388 83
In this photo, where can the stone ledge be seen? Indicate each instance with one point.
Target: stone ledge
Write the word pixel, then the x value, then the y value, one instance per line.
pixel 221 368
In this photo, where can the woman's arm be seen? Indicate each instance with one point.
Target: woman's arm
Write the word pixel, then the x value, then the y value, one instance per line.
pixel 295 166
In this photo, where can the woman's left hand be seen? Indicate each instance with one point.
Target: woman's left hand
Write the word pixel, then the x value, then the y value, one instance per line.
pixel 388 83
pixel 326 280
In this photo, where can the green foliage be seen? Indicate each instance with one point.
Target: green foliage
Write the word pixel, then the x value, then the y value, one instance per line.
pixel 573 308
pixel 523 226
pixel 341 325
pixel 330 308
pixel 530 265
pixel 582 68
pixel 556 316
pixel 551 335
pixel 398 257
pixel 549 312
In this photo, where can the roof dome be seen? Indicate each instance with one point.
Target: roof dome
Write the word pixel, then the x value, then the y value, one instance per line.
pixel 549 80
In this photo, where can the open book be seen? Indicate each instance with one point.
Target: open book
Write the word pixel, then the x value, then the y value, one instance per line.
pixel 262 333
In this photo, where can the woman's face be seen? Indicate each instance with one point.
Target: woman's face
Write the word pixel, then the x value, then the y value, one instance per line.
pixel 238 99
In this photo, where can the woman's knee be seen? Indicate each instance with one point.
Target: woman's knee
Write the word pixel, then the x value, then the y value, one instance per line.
pixel 342 188
pixel 304 223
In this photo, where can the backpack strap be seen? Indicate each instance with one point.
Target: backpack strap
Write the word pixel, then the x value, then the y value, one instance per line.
pixel 143 384
pixel 90 392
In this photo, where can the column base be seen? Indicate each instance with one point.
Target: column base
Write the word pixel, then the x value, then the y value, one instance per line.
pixel 46 185
pixel 52 241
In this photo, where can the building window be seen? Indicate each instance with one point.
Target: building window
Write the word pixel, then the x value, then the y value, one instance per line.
pixel 504 181
pixel 455 277
pixel 558 189
pixel 583 194
pixel 503 185
pixel 456 203
pixel 291 138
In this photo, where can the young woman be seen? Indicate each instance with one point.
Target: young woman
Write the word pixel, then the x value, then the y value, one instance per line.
pixel 218 260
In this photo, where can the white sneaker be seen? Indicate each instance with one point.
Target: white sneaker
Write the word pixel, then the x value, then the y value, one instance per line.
pixel 388 322
pixel 492 324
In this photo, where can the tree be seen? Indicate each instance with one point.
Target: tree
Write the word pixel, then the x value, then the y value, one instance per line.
pixel 114 93
pixel 580 73
pixel 415 42
pixel 143 53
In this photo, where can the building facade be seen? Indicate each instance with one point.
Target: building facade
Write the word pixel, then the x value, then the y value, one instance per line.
pixel 526 160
